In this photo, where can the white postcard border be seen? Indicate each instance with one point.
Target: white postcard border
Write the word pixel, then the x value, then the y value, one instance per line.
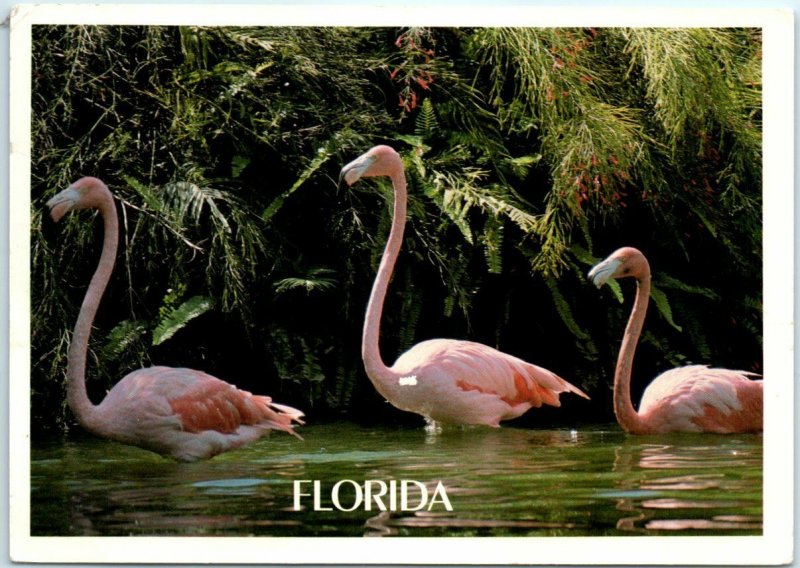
pixel 775 546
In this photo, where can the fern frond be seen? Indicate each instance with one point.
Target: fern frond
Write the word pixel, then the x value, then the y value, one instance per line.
pixel 125 334
pixel 492 241
pixel 343 388
pixel 410 311
pixel 661 302
pixel 464 191
pixel 188 200
pixel 320 158
pixel 148 196
pixel 675 358
pixel 317 279
pixel 179 317
pixel 667 281
pixel 426 123
pixel 583 255
pixel 696 332
pixel 521 165
pixel 457 211
pixel 565 312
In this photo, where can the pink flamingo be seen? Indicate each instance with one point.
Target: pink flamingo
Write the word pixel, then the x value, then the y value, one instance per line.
pixel 687 399
pixel 181 413
pixel 444 380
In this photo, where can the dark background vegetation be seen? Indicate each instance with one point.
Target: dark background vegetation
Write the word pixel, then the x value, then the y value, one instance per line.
pixel 531 154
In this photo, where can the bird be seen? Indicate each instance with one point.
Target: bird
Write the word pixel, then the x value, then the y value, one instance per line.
pixel 444 380
pixel 693 398
pixel 180 413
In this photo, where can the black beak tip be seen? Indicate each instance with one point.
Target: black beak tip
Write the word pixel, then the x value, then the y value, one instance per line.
pixel 343 183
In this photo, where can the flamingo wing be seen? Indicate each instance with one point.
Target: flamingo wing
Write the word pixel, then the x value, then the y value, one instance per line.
pixel 699 398
pixel 515 381
pixel 459 370
pixel 212 404
pixel 201 402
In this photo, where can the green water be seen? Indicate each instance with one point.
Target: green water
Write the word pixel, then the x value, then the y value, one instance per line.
pixel 505 482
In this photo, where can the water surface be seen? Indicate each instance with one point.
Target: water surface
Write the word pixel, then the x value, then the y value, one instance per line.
pixel 505 482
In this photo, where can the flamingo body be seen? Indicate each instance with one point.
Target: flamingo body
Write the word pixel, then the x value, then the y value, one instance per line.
pixel 186 414
pixel 697 398
pixel 445 380
pixel 464 382
pixel 694 398
pixel 180 413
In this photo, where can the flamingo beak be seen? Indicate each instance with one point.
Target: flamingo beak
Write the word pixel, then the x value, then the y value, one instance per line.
pixel 353 171
pixel 604 271
pixel 63 202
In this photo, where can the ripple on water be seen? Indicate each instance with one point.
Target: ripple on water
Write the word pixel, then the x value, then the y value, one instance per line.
pixel 698 524
pixel 629 494
pixel 234 482
pixel 236 486
pixel 690 504
pixel 502 482
pixel 327 457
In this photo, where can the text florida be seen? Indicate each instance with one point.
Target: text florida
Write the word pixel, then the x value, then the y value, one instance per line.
pixel 371 495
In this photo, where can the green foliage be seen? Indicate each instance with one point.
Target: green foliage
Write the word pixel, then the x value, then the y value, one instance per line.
pixel 314 165
pixel 122 338
pixel 676 64
pixel 492 241
pixel 667 281
pixel 564 311
pixel 660 300
pixel 297 361
pixel 531 153
pixel 426 123
pixel 343 388
pixel 317 279
pixel 410 312
pixel 174 319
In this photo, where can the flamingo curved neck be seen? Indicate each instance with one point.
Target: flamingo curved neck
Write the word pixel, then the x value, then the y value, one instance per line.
pixel 370 348
pixel 628 418
pixel 77 398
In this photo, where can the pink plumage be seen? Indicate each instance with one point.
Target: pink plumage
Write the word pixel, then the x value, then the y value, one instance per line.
pixel 464 382
pixel 695 398
pixel 445 380
pixel 181 413
pixel 700 399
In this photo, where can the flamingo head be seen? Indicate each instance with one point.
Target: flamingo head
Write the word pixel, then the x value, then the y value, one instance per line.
pixel 85 193
pixel 623 262
pixel 378 161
